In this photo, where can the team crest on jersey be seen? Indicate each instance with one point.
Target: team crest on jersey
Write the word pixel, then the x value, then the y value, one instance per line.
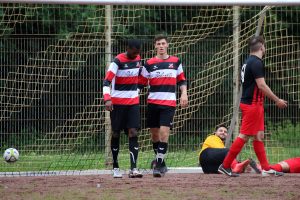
pixel 171 66
pixel 125 66
pixel 155 67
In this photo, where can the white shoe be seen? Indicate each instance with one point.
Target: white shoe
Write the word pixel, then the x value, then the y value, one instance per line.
pixel 117 173
pixel 135 173
pixel 271 172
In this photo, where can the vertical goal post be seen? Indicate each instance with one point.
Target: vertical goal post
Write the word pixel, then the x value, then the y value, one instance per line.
pixel 237 98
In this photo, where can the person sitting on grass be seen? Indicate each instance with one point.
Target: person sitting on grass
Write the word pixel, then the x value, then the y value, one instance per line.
pixel 213 153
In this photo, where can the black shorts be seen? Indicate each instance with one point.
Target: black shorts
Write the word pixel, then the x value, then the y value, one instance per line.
pixel 211 158
pixel 159 115
pixel 124 117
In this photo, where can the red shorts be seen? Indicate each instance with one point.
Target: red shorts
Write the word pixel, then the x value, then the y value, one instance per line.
pixel 252 118
pixel 294 164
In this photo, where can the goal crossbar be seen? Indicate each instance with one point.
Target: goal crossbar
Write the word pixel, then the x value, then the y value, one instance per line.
pixel 162 2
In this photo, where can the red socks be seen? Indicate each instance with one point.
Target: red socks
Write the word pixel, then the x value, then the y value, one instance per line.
pixel 276 167
pixel 234 150
pixel 260 152
pixel 234 163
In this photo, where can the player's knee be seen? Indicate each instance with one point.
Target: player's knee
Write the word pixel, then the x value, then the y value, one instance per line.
pixel 285 166
pixel 164 137
pixel 260 136
pixel 132 132
pixel 116 134
pixel 244 137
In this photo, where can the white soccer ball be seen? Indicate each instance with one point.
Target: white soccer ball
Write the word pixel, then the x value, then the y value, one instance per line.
pixel 11 155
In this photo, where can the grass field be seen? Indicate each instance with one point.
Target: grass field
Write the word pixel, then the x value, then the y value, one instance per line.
pixel 34 162
pixel 171 186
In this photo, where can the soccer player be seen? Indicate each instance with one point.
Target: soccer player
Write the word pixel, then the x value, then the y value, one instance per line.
pixel 254 88
pixel 162 73
pixel 123 103
pixel 213 153
pixel 291 165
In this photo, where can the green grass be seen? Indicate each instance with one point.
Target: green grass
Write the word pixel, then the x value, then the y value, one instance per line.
pixel 274 154
pixel 33 162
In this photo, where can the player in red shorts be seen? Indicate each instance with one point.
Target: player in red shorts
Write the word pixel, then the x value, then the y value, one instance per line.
pixel 291 165
pixel 254 88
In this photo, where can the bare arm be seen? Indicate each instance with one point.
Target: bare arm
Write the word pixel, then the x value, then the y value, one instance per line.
pixel 183 97
pixel 261 84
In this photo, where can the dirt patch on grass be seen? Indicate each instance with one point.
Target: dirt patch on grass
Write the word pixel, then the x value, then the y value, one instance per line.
pixel 172 186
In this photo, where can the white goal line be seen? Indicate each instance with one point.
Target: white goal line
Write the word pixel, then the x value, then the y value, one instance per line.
pixel 171 170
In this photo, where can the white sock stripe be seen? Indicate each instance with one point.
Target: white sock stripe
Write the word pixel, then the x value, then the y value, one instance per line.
pixel 160 156
pixel 132 157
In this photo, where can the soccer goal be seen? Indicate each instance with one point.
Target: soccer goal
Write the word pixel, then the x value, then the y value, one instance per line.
pixel 53 60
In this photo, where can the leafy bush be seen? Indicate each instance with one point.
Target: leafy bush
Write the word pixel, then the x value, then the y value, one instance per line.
pixel 287 133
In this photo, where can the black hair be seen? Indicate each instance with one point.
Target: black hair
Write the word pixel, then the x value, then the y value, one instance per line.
pixel 255 43
pixel 221 125
pixel 133 43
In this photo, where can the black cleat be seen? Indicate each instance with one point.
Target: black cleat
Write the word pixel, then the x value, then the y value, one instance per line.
pixel 254 166
pixel 135 173
pixel 157 173
pixel 163 169
pixel 227 171
pixel 153 164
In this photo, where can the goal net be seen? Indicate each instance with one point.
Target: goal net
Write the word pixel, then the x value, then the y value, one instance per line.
pixel 53 63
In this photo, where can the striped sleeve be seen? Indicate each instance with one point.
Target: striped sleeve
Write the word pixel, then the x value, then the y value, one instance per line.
pixel 110 75
pixel 180 76
pixel 143 77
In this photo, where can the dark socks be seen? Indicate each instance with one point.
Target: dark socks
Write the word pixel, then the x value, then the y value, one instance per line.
pixel 155 147
pixel 115 146
pixel 134 151
pixel 161 152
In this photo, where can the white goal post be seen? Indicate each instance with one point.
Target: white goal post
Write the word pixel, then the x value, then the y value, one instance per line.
pixel 163 2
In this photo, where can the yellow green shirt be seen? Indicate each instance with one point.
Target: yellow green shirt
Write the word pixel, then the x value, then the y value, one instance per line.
pixel 212 141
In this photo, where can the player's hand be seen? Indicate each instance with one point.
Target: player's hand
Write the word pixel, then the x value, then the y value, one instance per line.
pixel 184 100
pixel 108 105
pixel 281 103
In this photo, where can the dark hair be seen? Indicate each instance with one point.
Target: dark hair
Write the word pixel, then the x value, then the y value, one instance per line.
pixel 133 43
pixel 160 37
pixel 255 43
pixel 221 125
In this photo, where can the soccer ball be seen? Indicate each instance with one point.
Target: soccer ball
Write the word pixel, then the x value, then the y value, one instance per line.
pixel 11 155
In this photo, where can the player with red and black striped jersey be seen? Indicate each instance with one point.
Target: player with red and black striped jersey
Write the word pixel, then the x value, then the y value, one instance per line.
pixel 162 73
pixel 122 100
pixel 254 88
